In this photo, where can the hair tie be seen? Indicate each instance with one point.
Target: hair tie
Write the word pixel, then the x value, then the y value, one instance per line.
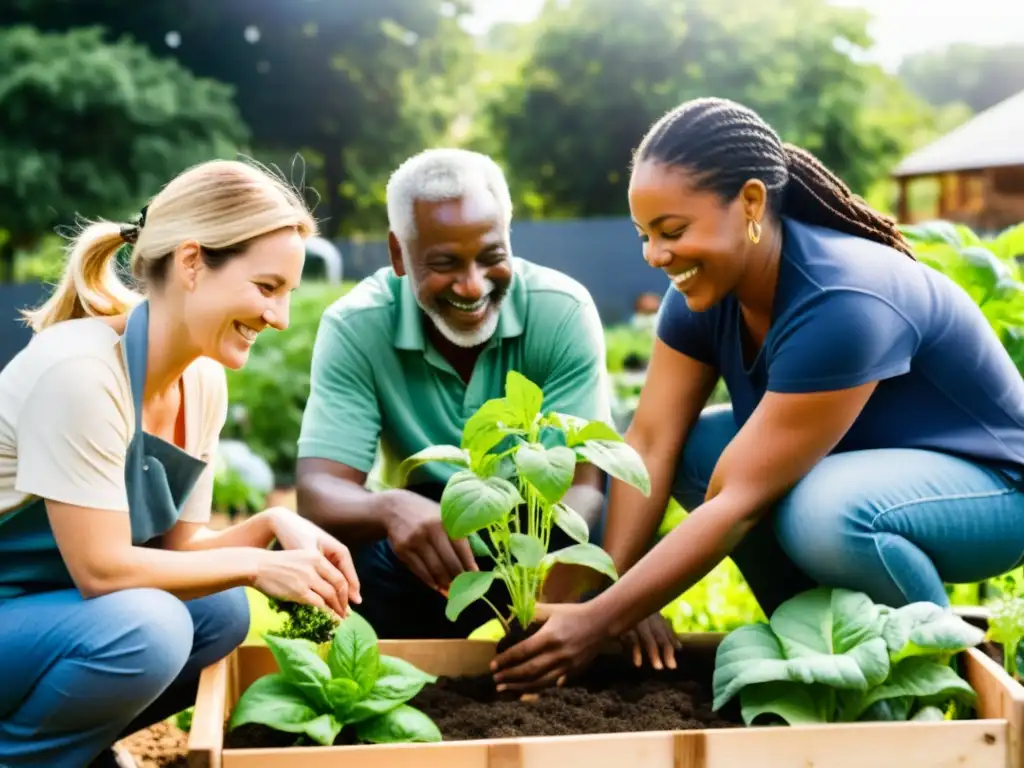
pixel 130 232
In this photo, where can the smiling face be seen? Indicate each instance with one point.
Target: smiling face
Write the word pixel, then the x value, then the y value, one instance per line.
pixel 696 238
pixel 226 306
pixel 459 265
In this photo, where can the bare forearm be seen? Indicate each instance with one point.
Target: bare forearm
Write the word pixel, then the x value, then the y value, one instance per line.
pixel 678 562
pixel 187 575
pixel 633 518
pixel 257 531
pixel 344 509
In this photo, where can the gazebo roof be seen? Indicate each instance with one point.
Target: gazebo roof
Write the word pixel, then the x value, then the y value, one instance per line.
pixel 992 138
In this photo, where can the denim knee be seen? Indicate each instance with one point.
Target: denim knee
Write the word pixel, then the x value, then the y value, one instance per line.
pixel 708 438
pixel 224 622
pixel 157 636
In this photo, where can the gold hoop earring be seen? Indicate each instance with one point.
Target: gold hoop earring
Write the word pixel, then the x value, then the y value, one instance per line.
pixel 754 231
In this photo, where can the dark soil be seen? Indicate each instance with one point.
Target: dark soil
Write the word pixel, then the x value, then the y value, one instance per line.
pixel 611 697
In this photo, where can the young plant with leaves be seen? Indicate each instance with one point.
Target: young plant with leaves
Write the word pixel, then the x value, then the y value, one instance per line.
pixel 353 687
pixel 514 456
pixel 832 655
pixel 1006 622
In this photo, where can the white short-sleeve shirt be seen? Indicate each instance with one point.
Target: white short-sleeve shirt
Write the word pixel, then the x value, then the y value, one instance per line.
pixel 66 420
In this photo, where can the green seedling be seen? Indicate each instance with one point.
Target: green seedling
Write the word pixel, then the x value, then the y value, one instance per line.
pixel 832 655
pixel 513 455
pixel 353 687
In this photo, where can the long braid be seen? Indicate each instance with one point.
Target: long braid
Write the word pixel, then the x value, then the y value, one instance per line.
pixel 815 195
pixel 725 144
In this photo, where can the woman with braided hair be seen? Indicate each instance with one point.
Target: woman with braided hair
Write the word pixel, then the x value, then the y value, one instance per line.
pixel 875 436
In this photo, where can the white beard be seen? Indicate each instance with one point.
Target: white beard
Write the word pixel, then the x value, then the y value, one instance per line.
pixel 464 339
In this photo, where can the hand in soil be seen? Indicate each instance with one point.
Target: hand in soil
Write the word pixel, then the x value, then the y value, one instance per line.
pixel 566 643
pixel 419 540
pixel 655 636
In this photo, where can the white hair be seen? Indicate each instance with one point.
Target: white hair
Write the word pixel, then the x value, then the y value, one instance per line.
pixel 440 174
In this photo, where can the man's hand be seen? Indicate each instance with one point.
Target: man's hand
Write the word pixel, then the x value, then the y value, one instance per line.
pixel 419 540
pixel 654 635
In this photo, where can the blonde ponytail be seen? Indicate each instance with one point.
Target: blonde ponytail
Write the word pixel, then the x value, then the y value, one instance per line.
pixel 89 286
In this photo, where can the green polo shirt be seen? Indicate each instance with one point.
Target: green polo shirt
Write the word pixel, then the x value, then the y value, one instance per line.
pixel 376 379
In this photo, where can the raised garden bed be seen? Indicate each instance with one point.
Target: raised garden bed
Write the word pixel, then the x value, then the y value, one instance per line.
pixel 663 720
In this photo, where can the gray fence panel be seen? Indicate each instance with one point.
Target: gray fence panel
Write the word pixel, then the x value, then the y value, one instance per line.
pixel 603 254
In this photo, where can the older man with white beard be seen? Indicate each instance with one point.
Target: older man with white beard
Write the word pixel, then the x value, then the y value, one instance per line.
pixel 407 356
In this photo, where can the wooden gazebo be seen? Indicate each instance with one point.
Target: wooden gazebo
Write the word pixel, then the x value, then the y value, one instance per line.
pixel 979 168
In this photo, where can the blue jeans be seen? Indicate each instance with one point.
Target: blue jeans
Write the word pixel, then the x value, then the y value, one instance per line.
pixel 76 675
pixel 895 523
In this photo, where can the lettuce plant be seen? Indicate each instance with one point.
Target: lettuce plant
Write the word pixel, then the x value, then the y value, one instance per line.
pixel 1006 621
pixel 354 686
pixel 832 655
pixel 512 454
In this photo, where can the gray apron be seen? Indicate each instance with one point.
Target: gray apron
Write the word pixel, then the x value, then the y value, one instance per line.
pixel 158 478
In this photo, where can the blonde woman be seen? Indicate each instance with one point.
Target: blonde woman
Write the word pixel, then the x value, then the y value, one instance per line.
pixel 113 592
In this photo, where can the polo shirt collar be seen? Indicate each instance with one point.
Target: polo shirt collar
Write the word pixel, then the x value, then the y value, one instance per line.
pixel 408 331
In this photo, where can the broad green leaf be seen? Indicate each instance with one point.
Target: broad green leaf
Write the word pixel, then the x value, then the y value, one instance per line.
pixel 342 693
pixel 794 703
pixel 478 546
pixel 895 709
pixel 301 665
pixel 860 669
pixel 404 724
pixel 465 589
pixel 524 396
pixel 549 471
pixel 399 682
pixel 924 628
pixel 449 454
pixel 568 424
pixel 470 503
pixel 986 269
pixel 748 655
pixel 324 730
pixel 483 430
pixel 584 554
pixel 527 550
pixel 825 621
pixel 619 460
pixel 926 681
pixel 595 430
pixel 1009 244
pixel 570 521
pixel 273 701
pixel 354 653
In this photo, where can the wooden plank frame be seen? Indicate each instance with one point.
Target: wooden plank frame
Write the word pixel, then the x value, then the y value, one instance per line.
pixel 994 740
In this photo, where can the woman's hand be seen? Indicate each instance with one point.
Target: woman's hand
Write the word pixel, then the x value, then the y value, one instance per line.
pixel 294 532
pixel 303 576
pixel 656 636
pixel 569 639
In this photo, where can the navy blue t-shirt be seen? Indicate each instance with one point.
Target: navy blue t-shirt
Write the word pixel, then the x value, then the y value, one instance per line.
pixel 848 311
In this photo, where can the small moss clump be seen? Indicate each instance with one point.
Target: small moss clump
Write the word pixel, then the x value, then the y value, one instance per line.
pixel 304 622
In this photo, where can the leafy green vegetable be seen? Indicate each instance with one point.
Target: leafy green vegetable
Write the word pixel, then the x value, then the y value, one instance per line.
pixel 832 655
pixel 1006 619
pixel 355 686
pixel 514 454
